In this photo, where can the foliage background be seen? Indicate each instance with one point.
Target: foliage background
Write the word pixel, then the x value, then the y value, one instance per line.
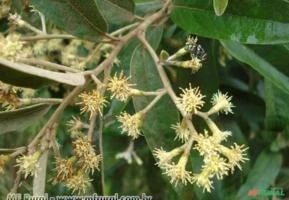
pixel 247 57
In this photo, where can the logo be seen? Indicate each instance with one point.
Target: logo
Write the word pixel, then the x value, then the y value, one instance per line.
pixel 277 192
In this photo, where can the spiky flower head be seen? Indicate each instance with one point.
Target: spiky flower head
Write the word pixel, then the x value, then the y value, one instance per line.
pixel 164 158
pixel 91 162
pixel 216 166
pixel 131 124
pixel 203 180
pixel 190 101
pixel 28 164
pixel 11 46
pixel 221 103
pixel 78 183
pixel 64 169
pixel 119 87
pixel 205 145
pixel 75 126
pixel 191 43
pixel 236 155
pixel 85 154
pixel 92 102
pixel 82 147
pixel 3 161
pixel 221 136
pixel 182 131
pixel 178 173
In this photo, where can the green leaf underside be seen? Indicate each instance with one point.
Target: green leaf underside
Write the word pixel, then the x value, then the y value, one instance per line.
pixel 115 11
pixel 220 6
pixel 77 17
pixel 28 76
pixel 21 118
pixel 157 122
pixel 264 68
pixel 247 21
pixel 147 7
pixel 262 175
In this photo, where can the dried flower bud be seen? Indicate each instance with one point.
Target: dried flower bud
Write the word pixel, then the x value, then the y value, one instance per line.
pixel 78 183
pixel 90 162
pixel 64 169
pixel 82 147
pixel 86 157
pixel 8 96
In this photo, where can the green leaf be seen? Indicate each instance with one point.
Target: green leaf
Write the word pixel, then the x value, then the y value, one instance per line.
pixel 277 55
pixel 116 11
pixel 33 77
pixel 277 109
pixel 262 175
pixel 264 68
pixel 220 6
pixel 77 17
pixel 126 53
pixel 21 118
pixel 145 7
pixel 157 122
pixel 246 21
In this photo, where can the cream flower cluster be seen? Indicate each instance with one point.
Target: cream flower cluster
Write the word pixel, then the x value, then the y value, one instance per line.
pixel 28 164
pixel 92 102
pixel 131 124
pixel 74 171
pixel 120 89
pixel 11 46
pixel 218 160
pixel 191 100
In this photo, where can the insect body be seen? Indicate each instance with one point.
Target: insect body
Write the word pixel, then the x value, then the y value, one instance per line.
pixel 199 52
